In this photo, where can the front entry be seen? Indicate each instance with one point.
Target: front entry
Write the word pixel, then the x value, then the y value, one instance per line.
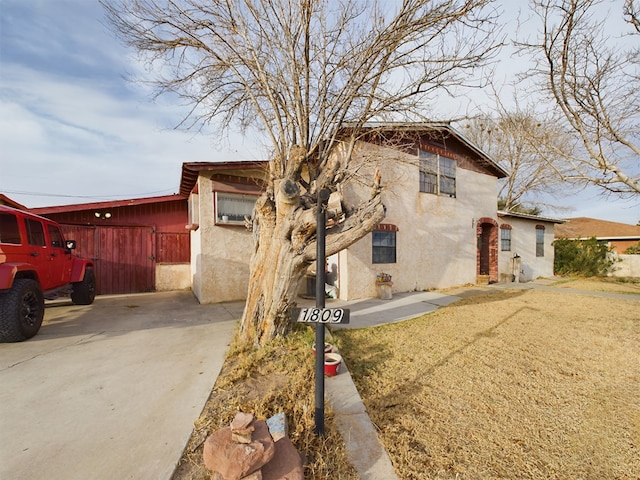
pixel 487 250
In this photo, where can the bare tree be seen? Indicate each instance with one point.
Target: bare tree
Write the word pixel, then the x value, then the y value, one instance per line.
pixel 592 79
pixel 298 70
pixel 528 145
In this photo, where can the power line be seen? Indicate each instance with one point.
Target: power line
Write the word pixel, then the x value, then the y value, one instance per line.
pixel 93 197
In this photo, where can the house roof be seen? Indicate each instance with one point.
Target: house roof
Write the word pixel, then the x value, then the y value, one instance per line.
pixel 502 213
pixel 584 227
pixel 484 158
pixel 4 200
pixel 191 170
pixel 102 205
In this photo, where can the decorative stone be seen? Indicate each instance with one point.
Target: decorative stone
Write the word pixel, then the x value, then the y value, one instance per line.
pixel 234 461
pixel 278 427
pixel 257 475
pixel 242 420
pixel 286 464
pixel 242 427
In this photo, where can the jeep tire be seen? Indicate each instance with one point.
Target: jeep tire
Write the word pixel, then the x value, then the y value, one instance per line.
pixel 21 310
pixel 85 291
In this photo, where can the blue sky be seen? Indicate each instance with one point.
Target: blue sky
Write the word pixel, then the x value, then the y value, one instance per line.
pixel 74 129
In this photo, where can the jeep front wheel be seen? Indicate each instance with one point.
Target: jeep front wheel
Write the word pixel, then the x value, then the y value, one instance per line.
pixel 85 291
pixel 21 311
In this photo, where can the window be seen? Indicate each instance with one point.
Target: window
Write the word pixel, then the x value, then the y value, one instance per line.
pixel 35 232
pixel 9 232
pixel 505 238
pixel 231 208
pixel 539 240
pixel 437 174
pixel 194 209
pixel 56 236
pixel 384 247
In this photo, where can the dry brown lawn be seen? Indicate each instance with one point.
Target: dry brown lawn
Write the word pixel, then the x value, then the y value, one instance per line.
pixel 513 384
pixel 275 378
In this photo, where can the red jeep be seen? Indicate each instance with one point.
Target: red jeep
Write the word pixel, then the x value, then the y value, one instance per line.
pixel 36 263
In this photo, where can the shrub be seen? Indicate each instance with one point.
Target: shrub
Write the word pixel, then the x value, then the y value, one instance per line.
pixel 633 250
pixel 588 258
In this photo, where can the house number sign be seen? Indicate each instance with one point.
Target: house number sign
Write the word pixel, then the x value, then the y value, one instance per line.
pixel 323 315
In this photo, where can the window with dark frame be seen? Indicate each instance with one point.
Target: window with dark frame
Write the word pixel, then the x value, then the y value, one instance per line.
pixel 35 232
pixel 384 247
pixel 56 236
pixel 505 238
pixel 9 231
pixel 539 240
pixel 437 174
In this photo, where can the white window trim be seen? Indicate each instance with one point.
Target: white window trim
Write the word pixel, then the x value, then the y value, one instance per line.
pixel 226 218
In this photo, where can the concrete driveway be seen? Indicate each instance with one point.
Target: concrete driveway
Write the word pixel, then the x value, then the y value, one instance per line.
pixel 110 390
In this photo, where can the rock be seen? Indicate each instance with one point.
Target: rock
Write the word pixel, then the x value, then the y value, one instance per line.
pixel 241 421
pixel 257 475
pixel 286 464
pixel 234 461
pixel 242 427
pixel 278 427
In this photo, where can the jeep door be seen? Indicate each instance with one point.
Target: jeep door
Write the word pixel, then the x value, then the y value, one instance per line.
pixel 60 259
pixel 37 250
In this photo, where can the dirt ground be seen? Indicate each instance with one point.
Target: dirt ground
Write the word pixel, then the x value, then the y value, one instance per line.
pixel 527 384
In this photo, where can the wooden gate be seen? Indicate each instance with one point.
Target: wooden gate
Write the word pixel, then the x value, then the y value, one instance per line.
pixel 123 256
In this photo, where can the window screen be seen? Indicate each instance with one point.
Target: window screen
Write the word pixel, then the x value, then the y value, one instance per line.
pixel 505 239
pixel 232 208
pixel 539 242
pixel 384 247
pixel 437 174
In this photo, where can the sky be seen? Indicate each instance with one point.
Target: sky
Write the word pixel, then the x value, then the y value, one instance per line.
pixel 75 129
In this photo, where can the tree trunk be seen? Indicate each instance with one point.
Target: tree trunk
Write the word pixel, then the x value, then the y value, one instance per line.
pixel 285 234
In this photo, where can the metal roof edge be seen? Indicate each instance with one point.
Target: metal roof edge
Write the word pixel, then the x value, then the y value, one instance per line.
pixel 107 204
pixel 527 216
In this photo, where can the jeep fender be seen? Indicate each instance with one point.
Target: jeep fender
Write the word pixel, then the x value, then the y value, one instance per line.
pixel 9 271
pixel 78 269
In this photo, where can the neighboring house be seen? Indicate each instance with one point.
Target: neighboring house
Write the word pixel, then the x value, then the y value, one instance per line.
pixel 138 245
pixel 619 237
pixel 526 246
pixel 441 227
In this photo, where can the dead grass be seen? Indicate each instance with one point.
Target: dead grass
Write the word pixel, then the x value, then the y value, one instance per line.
pixel 610 285
pixel 513 384
pixel 278 377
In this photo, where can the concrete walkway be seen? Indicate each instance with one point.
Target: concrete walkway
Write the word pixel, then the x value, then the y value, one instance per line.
pixel 110 390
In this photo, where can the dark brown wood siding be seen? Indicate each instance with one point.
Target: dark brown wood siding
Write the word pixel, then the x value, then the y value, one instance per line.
pixel 173 247
pixel 124 257
pixel 127 245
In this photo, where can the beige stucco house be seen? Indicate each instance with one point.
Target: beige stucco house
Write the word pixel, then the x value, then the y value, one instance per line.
pixel 441 227
pixel 525 246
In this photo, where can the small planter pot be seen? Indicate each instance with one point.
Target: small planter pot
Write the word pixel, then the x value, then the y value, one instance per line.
pixel 332 363
pixel 384 290
pixel 328 348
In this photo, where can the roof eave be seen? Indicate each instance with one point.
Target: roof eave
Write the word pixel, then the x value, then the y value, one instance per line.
pixel 424 126
pixel 526 216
